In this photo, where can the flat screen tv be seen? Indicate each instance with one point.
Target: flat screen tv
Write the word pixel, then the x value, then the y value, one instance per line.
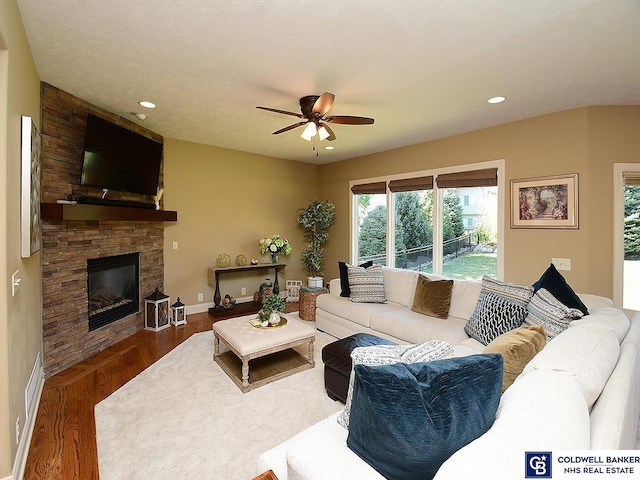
pixel 116 158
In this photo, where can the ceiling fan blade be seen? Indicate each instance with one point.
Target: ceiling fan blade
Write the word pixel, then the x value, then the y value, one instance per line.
pixel 332 136
pixel 290 127
pixel 323 103
pixel 349 120
pixel 284 112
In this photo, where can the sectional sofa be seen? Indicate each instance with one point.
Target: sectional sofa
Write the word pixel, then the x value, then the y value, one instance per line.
pixel 581 391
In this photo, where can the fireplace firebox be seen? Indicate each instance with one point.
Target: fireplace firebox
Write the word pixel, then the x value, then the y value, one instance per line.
pixel 112 288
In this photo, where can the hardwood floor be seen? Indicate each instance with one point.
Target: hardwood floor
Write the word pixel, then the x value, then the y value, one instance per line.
pixel 63 445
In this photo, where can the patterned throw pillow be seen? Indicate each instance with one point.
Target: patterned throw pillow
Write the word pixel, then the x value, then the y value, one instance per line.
pixel 366 284
pixel 345 291
pixel 501 307
pixel 546 310
pixel 388 355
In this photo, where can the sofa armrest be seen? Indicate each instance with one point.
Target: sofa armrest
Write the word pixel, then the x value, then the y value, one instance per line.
pixel 321 456
pixel 334 287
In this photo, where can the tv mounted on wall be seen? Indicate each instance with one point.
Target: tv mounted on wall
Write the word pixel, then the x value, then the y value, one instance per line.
pixel 116 158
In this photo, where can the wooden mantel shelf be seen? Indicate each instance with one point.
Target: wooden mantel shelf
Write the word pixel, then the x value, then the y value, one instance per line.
pixel 56 211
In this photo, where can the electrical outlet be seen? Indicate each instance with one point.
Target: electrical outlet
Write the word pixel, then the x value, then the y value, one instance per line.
pixel 243 291
pixel 562 263
pixel 201 297
pixel 18 431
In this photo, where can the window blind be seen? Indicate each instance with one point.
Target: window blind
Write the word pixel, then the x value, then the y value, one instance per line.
pixel 474 178
pixel 631 179
pixel 411 184
pixel 369 188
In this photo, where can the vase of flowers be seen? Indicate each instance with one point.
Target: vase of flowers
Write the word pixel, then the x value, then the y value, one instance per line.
pixel 275 245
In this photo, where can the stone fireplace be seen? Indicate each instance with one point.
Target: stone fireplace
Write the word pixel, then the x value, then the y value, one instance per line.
pixel 68 246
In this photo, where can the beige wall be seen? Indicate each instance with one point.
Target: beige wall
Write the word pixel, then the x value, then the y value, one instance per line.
pixel 226 201
pixel 20 321
pixel 586 141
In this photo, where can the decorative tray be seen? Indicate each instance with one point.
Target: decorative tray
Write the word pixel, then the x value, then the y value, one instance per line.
pixel 258 324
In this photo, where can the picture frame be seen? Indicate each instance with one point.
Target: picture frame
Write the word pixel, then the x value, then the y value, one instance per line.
pixel 30 225
pixel 545 202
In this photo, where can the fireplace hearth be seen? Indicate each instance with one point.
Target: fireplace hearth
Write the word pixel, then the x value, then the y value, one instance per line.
pixel 112 288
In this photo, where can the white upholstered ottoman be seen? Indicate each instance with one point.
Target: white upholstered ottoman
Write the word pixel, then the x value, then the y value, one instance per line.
pixel 271 350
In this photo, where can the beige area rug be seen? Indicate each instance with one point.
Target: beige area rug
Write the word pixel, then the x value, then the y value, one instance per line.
pixel 184 418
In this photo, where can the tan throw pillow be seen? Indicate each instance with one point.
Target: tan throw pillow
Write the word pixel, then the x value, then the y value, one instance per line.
pixel 432 297
pixel 517 348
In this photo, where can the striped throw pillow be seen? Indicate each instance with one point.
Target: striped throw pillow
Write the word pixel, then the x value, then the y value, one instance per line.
pixel 546 310
pixel 366 284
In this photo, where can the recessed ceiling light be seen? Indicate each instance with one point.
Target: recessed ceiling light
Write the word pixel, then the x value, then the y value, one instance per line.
pixel 140 116
pixel 147 104
pixel 329 147
pixel 496 100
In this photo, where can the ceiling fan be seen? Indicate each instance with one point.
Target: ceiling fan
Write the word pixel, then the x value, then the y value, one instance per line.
pixel 314 109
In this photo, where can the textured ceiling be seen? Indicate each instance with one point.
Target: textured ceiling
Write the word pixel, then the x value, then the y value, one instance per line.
pixel 423 70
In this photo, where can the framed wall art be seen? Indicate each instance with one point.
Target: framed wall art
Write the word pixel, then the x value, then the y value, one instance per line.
pixel 545 202
pixel 30 229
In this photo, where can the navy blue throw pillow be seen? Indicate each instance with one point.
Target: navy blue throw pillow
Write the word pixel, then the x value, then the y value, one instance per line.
pixel 345 291
pixel 553 281
pixel 408 419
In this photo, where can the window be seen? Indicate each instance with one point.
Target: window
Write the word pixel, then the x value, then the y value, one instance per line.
pixel 444 223
pixel 627 235
pixel 371 222
pixel 413 219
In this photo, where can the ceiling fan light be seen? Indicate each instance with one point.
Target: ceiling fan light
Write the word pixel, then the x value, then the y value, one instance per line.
pixel 322 133
pixel 309 131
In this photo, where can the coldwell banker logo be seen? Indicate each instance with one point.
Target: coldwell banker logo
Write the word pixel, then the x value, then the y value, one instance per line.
pixel 537 465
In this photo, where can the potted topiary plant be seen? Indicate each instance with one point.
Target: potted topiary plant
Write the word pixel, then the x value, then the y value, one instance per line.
pixel 316 218
pixel 273 304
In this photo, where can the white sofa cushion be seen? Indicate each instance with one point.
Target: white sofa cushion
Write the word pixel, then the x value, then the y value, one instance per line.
pixel 543 411
pixel 359 313
pixel 595 301
pixel 464 297
pixel 399 285
pixel 417 328
pixel 588 353
pixel 609 317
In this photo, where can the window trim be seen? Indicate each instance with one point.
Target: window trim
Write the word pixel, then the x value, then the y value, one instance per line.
pixel 619 169
pixel 437 230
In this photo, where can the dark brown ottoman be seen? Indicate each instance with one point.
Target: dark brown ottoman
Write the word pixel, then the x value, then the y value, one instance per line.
pixel 336 357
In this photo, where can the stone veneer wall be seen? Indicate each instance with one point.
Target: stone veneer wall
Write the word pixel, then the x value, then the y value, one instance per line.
pixel 66 245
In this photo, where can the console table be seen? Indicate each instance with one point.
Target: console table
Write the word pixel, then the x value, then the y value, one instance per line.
pixel 213 276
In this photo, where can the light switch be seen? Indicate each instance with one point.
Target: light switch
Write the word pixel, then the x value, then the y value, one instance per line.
pixel 15 283
pixel 562 263
pixel 175 245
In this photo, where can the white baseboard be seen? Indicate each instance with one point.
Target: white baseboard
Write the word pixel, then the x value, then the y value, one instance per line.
pixel 198 308
pixel 36 384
